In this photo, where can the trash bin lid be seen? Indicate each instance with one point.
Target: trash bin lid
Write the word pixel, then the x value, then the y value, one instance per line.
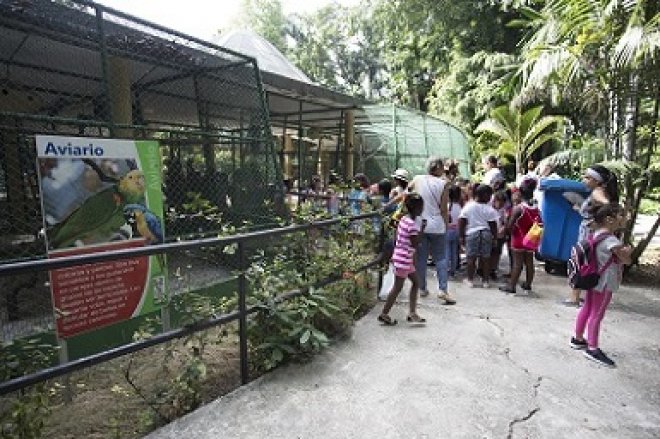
pixel 563 185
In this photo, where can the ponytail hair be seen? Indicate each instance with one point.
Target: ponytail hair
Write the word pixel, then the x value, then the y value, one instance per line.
pixel 610 183
pixel 601 213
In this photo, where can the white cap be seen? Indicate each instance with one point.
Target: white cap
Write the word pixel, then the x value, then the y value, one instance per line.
pixel 401 174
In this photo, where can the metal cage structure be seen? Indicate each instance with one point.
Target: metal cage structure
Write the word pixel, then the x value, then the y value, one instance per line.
pixel 392 137
pixel 77 68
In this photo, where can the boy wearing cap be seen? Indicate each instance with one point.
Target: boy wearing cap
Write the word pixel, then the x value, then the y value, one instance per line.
pixel 397 194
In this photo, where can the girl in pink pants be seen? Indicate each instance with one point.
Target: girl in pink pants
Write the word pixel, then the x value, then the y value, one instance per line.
pixel 612 253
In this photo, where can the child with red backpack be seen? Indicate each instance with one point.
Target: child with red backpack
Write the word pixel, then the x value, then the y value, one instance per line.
pixel 524 217
pixel 596 265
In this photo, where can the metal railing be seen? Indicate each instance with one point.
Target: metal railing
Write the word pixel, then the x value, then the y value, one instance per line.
pixel 241 314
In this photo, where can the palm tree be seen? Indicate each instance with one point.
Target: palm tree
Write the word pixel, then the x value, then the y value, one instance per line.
pixel 609 49
pixel 521 132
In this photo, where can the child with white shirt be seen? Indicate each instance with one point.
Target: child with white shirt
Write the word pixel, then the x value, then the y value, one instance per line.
pixel 477 231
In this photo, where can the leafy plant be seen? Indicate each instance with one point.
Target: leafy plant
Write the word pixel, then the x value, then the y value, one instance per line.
pixel 186 368
pixel 24 414
pixel 520 132
pixel 295 329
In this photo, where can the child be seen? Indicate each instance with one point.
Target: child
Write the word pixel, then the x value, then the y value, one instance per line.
pixel 611 255
pixel 499 203
pixel 407 239
pixel 477 228
pixel 451 238
pixel 523 216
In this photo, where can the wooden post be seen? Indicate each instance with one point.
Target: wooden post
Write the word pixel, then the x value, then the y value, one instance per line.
pixel 349 132
pixel 289 151
pixel 121 99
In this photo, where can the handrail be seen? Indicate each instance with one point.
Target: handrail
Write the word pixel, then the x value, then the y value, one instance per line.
pixel 72 261
pixel 241 314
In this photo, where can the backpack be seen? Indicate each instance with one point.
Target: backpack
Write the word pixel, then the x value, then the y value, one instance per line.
pixel 583 272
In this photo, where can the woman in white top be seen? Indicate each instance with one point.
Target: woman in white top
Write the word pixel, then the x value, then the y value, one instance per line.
pixel 493 174
pixel 433 191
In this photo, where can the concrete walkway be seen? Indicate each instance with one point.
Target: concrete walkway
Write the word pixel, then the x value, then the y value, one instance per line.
pixel 492 366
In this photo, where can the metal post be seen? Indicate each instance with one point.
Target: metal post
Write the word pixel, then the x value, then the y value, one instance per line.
pixel 396 141
pixel 381 247
pixel 241 135
pixel 426 139
pixel 104 68
pixel 300 155
pixel 242 309
pixel 283 157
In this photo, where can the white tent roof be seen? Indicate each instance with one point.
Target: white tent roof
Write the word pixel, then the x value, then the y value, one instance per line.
pixel 268 57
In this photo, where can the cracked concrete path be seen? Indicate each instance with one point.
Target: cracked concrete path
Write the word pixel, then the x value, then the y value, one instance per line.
pixel 492 366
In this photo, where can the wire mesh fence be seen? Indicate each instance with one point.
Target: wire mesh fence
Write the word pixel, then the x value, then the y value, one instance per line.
pixel 394 137
pixel 80 70
pixel 77 69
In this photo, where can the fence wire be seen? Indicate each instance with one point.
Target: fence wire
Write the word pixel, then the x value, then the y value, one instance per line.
pixel 74 68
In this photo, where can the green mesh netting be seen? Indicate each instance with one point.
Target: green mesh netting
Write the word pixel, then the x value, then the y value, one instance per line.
pixel 394 137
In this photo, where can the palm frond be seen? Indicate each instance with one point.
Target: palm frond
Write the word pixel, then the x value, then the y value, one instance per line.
pixel 628 47
pixel 538 142
pixel 491 126
pixel 540 126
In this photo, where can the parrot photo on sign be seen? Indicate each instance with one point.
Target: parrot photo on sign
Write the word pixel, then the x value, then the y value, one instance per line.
pixel 101 215
pixel 144 223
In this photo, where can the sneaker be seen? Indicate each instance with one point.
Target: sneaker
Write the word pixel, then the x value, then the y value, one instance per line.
pixel 446 298
pixel 507 289
pixel 525 286
pixel 468 283
pixel 578 344
pixel 570 303
pixel 486 285
pixel 423 293
pixel 599 357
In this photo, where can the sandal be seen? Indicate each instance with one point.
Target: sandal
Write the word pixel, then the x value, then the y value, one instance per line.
pixel 387 320
pixel 415 318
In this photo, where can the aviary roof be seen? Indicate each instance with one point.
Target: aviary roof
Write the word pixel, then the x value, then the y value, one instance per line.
pixel 268 57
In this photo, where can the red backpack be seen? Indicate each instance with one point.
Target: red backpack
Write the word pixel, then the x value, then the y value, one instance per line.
pixel 583 272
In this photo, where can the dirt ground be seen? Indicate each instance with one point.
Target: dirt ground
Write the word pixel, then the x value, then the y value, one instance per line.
pixel 103 405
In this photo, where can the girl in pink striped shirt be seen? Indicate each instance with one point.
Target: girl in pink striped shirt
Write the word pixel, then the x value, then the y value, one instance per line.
pixel 407 238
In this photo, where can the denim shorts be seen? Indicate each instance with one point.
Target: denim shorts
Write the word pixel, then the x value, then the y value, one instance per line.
pixel 479 244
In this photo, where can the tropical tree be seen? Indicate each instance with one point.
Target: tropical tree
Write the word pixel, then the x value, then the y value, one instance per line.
pixel 421 37
pixel 266 18
pixel 472 87
pixel 521 132
pixel 608 50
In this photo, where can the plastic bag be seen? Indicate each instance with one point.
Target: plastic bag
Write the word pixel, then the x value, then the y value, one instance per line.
pixel 388 282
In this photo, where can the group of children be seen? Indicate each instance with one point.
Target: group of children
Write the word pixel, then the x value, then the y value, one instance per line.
pixel 486 222
pixel 479 222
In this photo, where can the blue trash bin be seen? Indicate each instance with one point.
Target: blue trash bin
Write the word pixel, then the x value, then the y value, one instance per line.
pixel 560 222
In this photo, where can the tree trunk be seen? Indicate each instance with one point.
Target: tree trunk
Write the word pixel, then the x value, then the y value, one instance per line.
pixel 629 145
pixel 650 150
pixel 639 248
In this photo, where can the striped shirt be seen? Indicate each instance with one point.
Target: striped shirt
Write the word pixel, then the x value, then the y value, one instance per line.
pixel 403 249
